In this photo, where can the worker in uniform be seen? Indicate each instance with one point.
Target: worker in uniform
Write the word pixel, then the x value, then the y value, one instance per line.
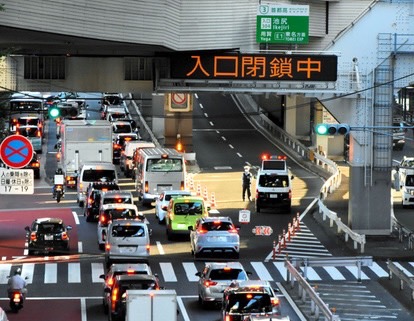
pixel 246 181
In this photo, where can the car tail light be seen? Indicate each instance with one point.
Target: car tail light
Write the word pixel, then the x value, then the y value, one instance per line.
pixel 114 297
pixel 33 236
pixel 290 193
pixel 39 133
pixel 208 283
pixel 202 231
pixel 81 186
pixel 107 247
pixel 90 200
pixel 233 230
pixel 35 164
pixel 148 248
pixel 16 297
pixel 58 155
pixel 275 301
pixel 146 188
pixel 110 282
pixel 182 185
pixel 65 236
pixel 103 219
pixel 130 271
pixel 116 146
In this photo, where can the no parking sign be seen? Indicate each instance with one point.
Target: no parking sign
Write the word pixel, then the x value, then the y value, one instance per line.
pixel 16 151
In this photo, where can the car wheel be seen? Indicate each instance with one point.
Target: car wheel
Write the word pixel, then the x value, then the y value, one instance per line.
pixel 88 218
pixel 31 252
pixel 105 307
pixel 101 246
pixel 80 203
pixel 257 208
pixel 236 256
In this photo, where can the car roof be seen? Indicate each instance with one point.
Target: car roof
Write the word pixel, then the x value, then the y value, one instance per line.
pixel 216 218
pixel 127 222
pixel 221 265
pixel 176 192
pixel 119 206
pixel 136 277
pixel 117 267
pixel 54 220
pixel 183 199
pixel 115 193
pixel 254 283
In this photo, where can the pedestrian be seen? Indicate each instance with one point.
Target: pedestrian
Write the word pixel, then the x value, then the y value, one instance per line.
pixel 246 181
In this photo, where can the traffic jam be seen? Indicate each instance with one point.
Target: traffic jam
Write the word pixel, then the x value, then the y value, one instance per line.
pixel 89 155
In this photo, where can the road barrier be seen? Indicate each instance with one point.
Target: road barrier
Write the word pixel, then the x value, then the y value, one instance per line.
pixel 305 289
pixel 404 278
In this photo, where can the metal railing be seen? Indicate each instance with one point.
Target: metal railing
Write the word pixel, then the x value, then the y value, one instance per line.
pixel 305 289
pixel 404 278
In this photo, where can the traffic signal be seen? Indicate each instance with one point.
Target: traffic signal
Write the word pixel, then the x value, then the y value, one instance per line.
pixel 56 111
pixel 332 129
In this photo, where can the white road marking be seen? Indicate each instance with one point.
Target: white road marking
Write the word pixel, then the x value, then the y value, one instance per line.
pixel 168 272
pixel 160 248
pixel 50 273
pixel 74 275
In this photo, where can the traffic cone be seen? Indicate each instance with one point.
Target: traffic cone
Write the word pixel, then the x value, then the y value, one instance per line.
pixel 213 200
pixel 205 194
pixel 198 190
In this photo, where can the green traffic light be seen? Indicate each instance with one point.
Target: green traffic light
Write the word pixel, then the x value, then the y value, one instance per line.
pixel 321 129
pixel 54 112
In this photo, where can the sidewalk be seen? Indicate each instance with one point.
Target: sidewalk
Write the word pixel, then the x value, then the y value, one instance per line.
pixel 380 247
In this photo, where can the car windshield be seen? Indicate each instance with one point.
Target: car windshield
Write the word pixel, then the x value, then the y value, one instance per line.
pixel 50 228
pixel 128 231
pixel 228 274
pixel 28 132
pixel 217 226
pixel 409 181
pixel 139 285
pixel 120 200
pixel 165 165
pixel 93 175
pixel 119 213
pixel 248 302
pixel 273 181
pixel 190 208
pixel 119 129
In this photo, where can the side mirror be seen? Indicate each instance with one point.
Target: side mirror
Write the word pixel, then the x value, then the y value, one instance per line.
pixel 27 228
pixel 68 227
pixel 191 228
pixel 164 208
pixel 292 177
pixel 198 274
pixel 249 273
pixel 102 276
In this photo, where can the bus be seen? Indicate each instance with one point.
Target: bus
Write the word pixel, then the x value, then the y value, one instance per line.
pixel 158 170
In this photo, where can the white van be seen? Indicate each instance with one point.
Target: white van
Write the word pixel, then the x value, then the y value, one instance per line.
pixel 273 185
pixel 158 170
pixel 127 241
pixel 94 172
pixel 126 163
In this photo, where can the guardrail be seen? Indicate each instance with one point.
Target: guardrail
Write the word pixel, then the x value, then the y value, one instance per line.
pixel 404 278
pixel 304 288
pixel 142 121
pixel 358 261
pixel 295 149
pixel 403 232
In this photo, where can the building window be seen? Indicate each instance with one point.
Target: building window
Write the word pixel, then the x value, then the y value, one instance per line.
pixel 44 67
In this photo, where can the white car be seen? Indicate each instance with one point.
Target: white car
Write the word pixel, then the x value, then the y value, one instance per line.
pixel 161 202
pixel 111 212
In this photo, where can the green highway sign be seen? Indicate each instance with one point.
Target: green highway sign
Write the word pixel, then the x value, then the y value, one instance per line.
pixel 282 24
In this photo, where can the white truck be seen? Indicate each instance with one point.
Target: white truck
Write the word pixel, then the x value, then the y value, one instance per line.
pixel 151 305
pixel 83 141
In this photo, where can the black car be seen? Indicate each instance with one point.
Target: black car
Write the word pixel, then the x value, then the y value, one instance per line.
pixel 48 235
pixel 93 198
pixel 35 165
pixel 122 283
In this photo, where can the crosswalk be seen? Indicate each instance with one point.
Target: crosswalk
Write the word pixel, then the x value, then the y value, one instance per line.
pixel 173 272
pixel 303 243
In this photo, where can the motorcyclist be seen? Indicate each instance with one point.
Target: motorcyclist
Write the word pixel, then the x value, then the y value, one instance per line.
pixel 58 180
pixel 17 282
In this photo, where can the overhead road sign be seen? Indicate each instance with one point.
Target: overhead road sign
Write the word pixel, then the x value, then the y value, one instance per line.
pixel 282 24
pixel 179 102
pixel 16 151
pixel 254 67
pixel 16 181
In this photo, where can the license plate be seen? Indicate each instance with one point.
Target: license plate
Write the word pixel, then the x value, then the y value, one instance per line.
pixel 129 249
pixel 217 239
pixel 272 195
pixel 48 237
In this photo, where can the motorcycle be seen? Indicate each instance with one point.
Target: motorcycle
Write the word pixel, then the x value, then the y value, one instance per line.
pixel 58 192
pixel 16 300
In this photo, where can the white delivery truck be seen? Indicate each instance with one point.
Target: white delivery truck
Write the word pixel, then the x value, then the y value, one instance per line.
pixel 158 170
pixel 83 141
pixel 406 182
pixel 151 305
